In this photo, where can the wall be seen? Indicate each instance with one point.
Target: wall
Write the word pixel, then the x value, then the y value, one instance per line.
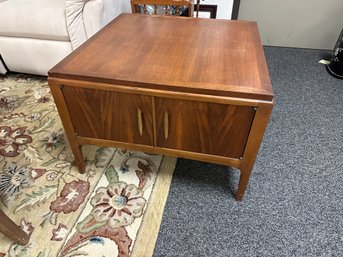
pixel 224 7
pixel 293 23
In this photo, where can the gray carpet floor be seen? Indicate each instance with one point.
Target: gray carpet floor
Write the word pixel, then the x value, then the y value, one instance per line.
pixel 293 205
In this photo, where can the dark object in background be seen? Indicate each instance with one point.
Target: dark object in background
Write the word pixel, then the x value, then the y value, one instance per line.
pixel 336 64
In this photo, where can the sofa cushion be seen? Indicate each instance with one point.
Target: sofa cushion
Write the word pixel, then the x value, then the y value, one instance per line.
pixel 74 17
pixel 43 19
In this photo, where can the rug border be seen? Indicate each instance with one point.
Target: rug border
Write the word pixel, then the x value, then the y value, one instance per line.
pixel 150 226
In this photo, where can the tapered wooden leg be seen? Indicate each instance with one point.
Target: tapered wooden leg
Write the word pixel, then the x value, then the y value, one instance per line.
pixel 253 144
pixel 243 182
pixel 12 231
pixel 78 156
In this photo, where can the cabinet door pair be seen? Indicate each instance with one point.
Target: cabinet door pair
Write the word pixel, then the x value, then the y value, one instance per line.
pixel 202 127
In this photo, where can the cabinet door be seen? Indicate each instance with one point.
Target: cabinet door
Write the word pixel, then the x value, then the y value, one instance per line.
pixel 210 128
pixel 110 115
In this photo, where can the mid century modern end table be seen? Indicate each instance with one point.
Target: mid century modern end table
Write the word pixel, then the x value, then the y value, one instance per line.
pixel 186 87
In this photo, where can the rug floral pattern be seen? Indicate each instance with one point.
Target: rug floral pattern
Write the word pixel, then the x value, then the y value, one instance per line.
pixel 66 213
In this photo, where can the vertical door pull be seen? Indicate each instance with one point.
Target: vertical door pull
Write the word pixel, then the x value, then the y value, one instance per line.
pixel 140 122
pixel 166 124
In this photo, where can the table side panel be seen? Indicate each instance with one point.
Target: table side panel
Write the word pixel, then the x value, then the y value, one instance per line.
pixel 161 93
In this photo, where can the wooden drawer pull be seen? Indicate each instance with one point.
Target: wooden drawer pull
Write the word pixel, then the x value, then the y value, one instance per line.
pixel 166 124
pixel 140 122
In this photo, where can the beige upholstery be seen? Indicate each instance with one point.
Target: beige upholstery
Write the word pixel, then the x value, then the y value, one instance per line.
pixel 37 34
pixel 31 55
pixel 34 19
pixel 96 14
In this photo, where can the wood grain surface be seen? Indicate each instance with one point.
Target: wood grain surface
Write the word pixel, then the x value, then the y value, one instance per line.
pixel 210 128
pixel 217 57
pixel 110 115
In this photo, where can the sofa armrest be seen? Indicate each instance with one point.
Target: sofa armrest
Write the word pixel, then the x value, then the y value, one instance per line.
pixel 97 13
pixel 75 25
pixel 86 17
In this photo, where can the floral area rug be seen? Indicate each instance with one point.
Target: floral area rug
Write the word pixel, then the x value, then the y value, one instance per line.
pixel 99 213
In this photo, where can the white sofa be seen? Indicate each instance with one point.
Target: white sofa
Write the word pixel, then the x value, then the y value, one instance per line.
pixel 36 34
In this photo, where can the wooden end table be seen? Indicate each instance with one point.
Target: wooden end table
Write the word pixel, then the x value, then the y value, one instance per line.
pixel 186 87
